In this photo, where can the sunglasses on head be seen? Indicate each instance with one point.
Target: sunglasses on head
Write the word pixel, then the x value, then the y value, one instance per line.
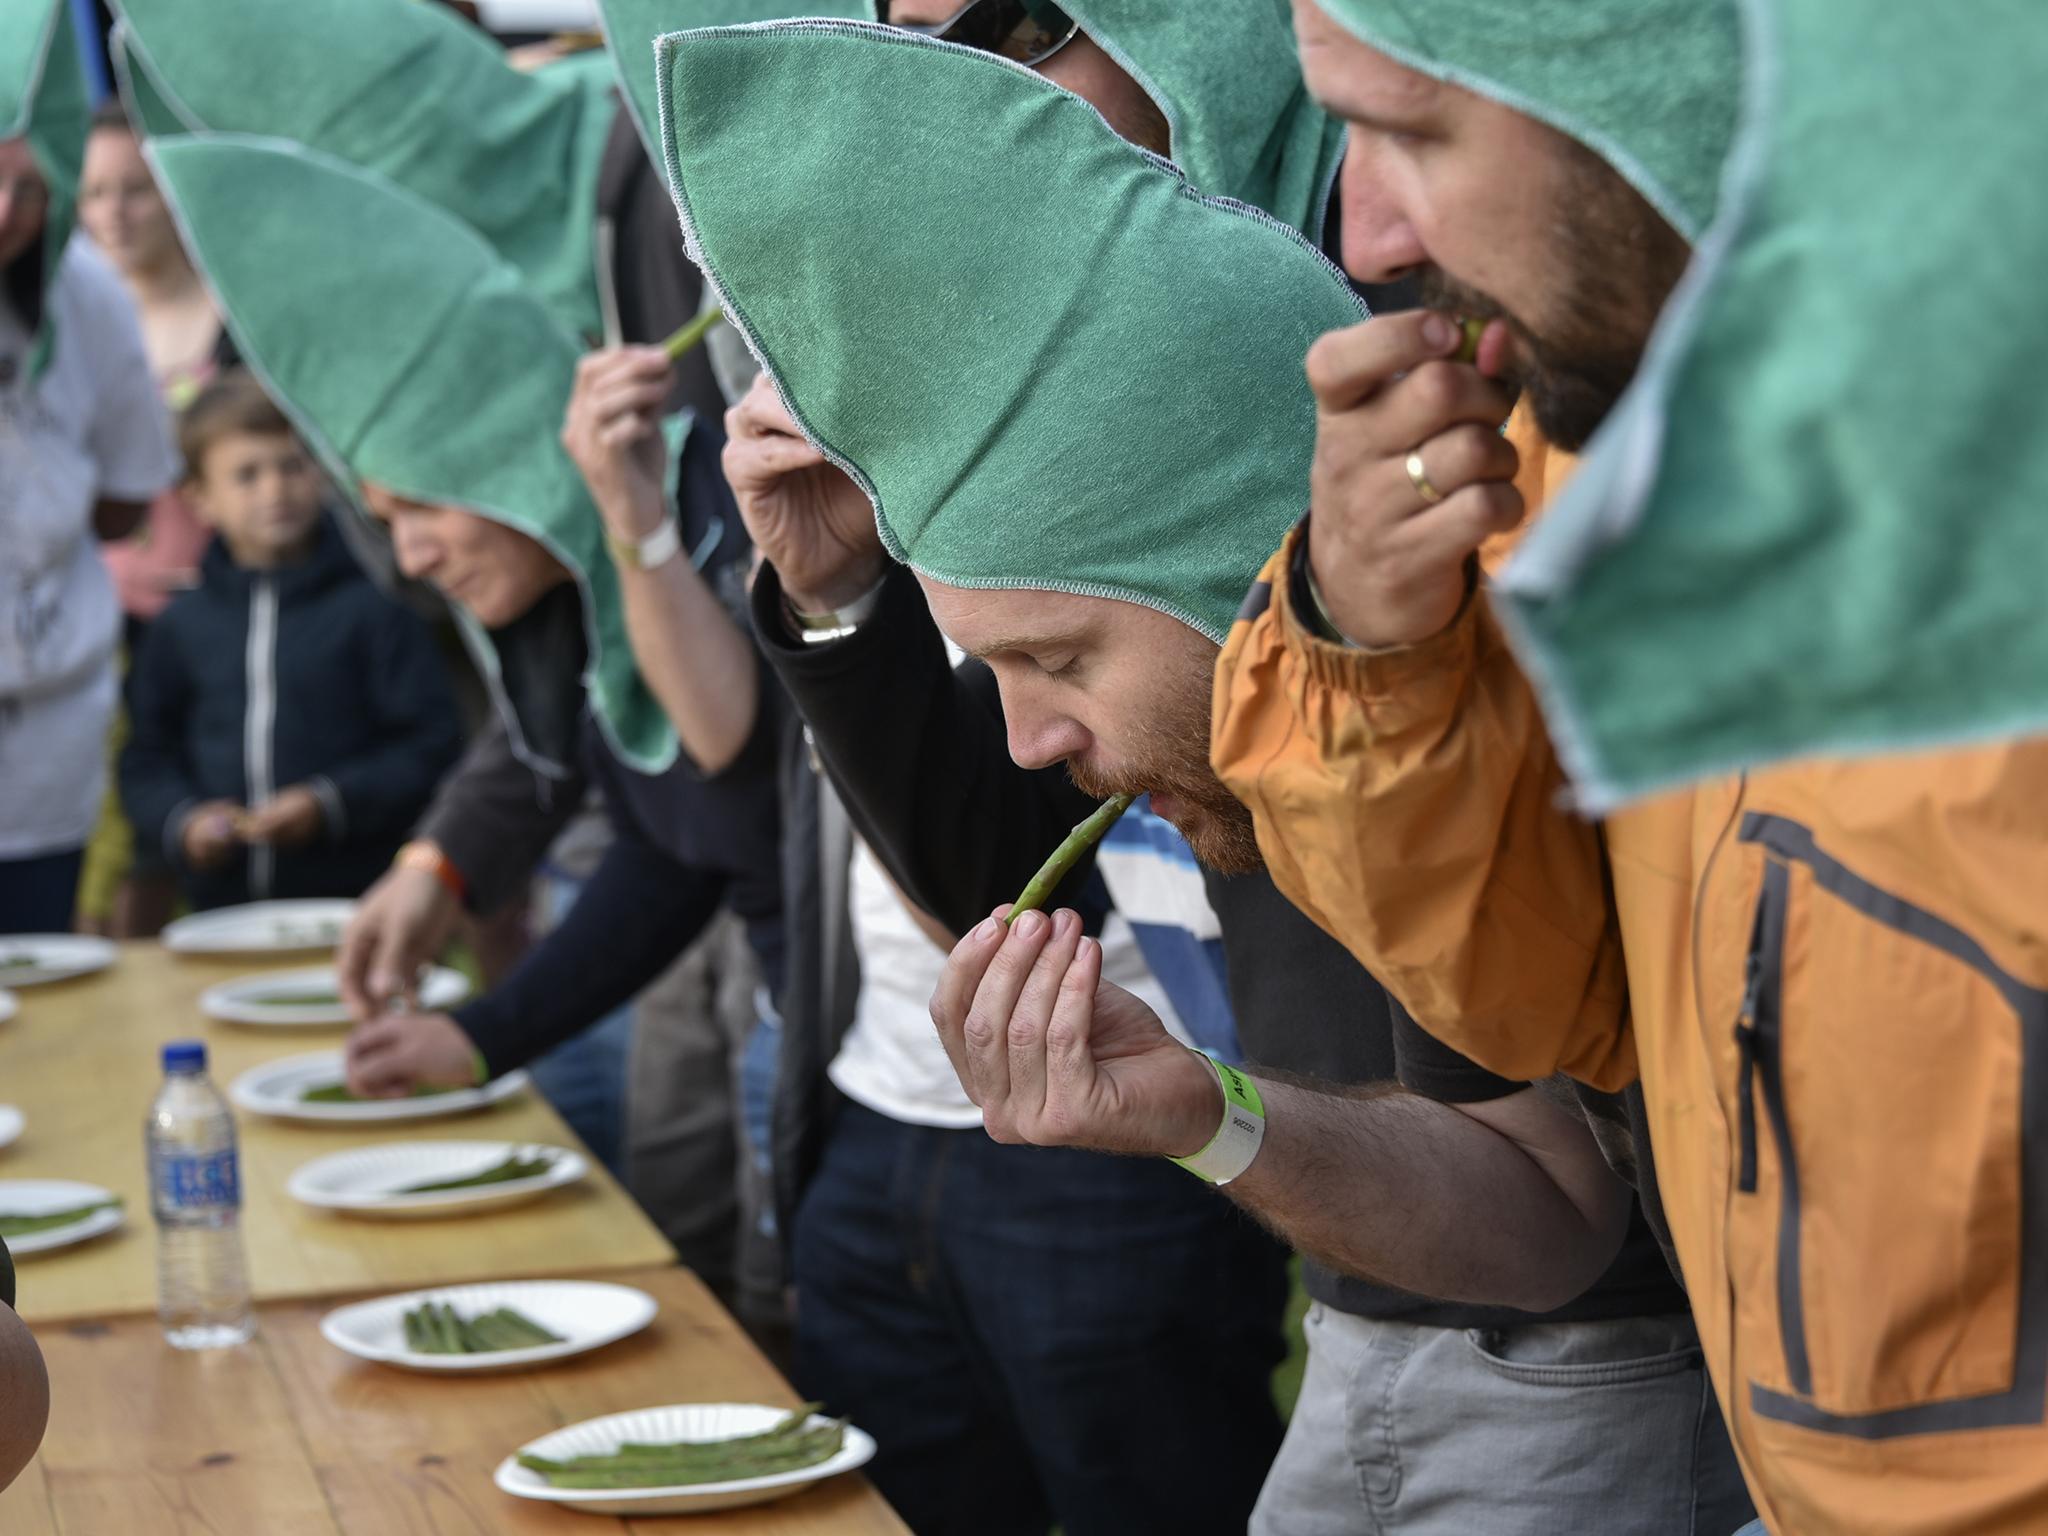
pixel 1026 32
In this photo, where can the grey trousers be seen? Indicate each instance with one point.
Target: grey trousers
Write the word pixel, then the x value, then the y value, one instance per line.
pixel 1545 1429
pixel 684 1160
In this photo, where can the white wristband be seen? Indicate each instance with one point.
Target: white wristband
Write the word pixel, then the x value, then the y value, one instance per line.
pixel 658 548
pixel 1238 1139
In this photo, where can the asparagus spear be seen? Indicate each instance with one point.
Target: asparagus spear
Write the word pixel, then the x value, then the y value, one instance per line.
pixel 337 1093
pixel 1474 328
pixel 1068 854
pixel 689 335
pixel 21 1224
pixel 783 1449
pixel 513 1167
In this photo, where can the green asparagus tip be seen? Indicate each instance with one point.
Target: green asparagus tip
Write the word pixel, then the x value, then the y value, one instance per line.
pixel 678 345
pixel 1068 854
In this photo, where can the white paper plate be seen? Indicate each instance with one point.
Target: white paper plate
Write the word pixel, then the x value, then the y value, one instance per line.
pixel 29 959
pixel 588 1314
pixel 367 1181
pixel 277 1087
pixel 11 1125
pixel 261 928
pixel 680 1421
pixel 243 1000
pixel 8 1006
pixel 32 1197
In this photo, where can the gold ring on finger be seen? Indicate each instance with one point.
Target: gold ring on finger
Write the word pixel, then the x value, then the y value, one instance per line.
pixel 1419 478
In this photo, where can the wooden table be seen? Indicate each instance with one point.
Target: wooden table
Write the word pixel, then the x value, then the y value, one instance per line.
pixel 81 1061
pixel 288 1436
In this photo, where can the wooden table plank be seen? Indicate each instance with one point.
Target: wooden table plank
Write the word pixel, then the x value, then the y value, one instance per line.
pixel 290 1435
pixel 81 1062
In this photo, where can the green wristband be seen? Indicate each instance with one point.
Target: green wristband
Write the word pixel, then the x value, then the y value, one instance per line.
pixel 1237 1140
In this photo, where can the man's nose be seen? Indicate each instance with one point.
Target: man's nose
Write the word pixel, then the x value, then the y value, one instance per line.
pixel 1380 243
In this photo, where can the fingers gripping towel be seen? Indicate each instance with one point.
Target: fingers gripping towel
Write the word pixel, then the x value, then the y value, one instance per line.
pixel 402 88
pixel 1048 361
pixel 42 100
pixel 411 355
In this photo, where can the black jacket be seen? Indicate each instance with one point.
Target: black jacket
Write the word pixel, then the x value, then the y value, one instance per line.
pixel 256 681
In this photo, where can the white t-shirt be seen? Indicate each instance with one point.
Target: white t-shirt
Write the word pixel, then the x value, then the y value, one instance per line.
pixel 891 1061
pixel 91 426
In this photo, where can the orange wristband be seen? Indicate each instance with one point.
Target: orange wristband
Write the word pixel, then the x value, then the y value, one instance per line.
pixel 421 854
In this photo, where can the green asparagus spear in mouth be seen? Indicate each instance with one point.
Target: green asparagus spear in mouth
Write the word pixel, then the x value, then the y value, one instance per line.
pixel 791 1445
pixel 513 1167
pixel 1068 854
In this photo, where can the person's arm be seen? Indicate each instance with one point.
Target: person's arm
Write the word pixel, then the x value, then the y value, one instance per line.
pixel 129 435
pixel 697 662
pixel 918 753
pixel 158 791
pixel 636 913
pixel 491 822
pixel 379 792
pixel 1405 792
pixel 1507 1202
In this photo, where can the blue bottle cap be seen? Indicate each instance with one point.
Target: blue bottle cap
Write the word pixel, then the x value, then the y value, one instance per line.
pixel 185 1056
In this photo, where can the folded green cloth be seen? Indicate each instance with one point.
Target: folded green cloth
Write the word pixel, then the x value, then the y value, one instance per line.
pixel 405 89
pixel 1224 77
pixel 1227 79
pixel 42 99
pixel 1817 525
pixel 410 354
pixel 631 26
pixel 1049 361
pixel 1648 85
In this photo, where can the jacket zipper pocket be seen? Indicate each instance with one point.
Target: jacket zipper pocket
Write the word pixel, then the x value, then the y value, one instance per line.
pixel 1759 1038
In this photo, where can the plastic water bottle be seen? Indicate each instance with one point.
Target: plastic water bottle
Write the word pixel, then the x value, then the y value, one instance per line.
pixel 196 1194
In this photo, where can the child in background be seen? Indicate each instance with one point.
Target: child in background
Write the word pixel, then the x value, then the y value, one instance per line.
pixel 289 721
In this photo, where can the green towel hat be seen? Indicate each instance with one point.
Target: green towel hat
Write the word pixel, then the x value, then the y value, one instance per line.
pixel 1816 525
pixel 1648 85
pixel 405 89
pixel 409 353
pixel 1048 361
pixel 631 26
pixel 42 99
pixel 1229 84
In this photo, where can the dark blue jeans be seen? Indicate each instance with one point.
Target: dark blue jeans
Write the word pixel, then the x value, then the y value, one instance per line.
pixel 40 895
pixel 1035 1335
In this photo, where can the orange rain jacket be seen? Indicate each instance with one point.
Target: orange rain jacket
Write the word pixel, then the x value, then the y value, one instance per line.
pixel 1832 978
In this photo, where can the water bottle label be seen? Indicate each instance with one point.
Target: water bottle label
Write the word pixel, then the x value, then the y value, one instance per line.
pixel 198 1183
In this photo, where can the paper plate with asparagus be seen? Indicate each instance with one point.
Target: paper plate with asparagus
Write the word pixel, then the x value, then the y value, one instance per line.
pixel 684 1459
pixel 480 1328
pixel 311 998
pixel 261 928
pixel 40 1214
pixel 30 959
pixel 434 1178
pixel 314 1087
